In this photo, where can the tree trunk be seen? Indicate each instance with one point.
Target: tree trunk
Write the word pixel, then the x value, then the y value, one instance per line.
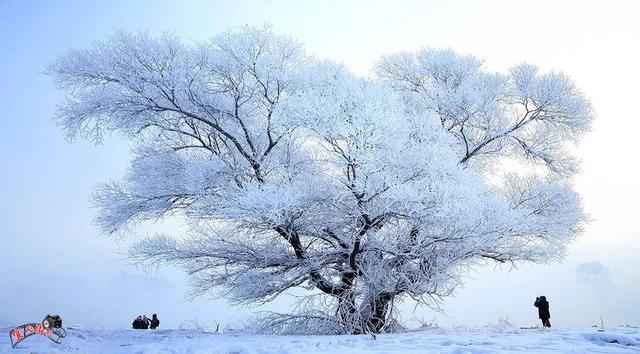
pixel 379 310
pixel 348 313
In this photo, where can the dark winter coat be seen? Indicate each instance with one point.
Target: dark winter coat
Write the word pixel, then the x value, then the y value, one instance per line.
pixel 136 324
pixel 155 322
pixel 144 324
pixel 543 308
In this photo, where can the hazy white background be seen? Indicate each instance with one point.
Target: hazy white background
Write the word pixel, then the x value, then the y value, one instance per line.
pixel 53 260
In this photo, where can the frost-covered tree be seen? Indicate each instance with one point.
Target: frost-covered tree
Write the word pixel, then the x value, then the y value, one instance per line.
pixel 294 173
pixel 523 114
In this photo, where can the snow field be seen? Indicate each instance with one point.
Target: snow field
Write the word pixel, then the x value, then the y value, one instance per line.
pixel 81 340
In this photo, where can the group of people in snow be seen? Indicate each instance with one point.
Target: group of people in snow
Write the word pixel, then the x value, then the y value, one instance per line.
pixel 543 310
pixel 143 322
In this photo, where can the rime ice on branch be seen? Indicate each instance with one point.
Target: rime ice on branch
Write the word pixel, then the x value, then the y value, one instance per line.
pixel 295 173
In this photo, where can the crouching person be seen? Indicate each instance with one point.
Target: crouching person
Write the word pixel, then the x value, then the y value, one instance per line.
pixel 137 323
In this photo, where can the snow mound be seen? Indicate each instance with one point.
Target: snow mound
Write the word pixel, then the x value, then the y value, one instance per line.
pixel 612 338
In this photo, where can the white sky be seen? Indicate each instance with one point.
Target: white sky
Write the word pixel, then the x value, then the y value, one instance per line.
pixel 53 260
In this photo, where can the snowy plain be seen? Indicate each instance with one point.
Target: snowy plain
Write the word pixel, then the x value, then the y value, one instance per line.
pixel 436 340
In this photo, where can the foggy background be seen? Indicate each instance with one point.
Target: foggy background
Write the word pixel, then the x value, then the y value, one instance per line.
pixel 52 258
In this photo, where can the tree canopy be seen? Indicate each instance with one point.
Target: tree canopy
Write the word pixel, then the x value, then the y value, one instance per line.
pixel 295 173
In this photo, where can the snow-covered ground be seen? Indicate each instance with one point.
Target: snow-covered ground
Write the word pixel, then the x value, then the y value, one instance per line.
pixel 620 340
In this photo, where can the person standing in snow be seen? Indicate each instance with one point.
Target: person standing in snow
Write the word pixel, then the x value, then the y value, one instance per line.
pixel 155 322
pixel 543 310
